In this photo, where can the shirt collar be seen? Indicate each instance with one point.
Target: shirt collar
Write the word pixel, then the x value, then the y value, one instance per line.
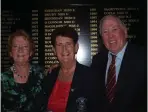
pixel 120 54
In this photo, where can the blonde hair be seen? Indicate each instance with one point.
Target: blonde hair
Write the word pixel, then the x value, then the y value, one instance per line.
pixel 26 36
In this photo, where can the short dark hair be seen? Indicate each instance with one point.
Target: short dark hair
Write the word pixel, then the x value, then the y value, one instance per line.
pixel 65 31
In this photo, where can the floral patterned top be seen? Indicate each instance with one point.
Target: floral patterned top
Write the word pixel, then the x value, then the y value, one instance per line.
pixel 18 97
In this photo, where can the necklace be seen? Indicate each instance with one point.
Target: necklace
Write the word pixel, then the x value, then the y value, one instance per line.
pixel 18 75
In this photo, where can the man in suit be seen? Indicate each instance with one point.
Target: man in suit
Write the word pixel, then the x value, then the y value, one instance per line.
pixel 127 91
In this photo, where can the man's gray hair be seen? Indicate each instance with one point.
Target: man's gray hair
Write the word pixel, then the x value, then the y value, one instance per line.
pixel 106 17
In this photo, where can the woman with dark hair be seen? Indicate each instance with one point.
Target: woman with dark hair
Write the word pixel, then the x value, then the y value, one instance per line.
pixel 65 85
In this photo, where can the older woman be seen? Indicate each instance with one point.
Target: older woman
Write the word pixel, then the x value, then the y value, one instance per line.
pixel 21 83
pixel 65 85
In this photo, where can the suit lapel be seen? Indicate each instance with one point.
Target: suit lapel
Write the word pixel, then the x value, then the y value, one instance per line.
pixel 71 104
pixel 52 79
pixel 104 66
pixel 123 77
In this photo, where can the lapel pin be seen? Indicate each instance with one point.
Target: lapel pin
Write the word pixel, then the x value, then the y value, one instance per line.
pixel 72 90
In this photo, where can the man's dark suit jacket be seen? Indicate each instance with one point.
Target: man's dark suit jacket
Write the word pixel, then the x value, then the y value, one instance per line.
pixel 131 88
pixel 79 87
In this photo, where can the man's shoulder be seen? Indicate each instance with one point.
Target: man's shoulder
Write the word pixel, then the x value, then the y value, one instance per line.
pixel 136 49
pixel 103 53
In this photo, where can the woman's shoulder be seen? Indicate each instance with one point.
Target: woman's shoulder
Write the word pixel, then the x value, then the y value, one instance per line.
pixel 37 67
pixel 82 69
pixel 37 70
pixel 82 66
pixel 54 72
pixel 6 74
pixel 7 80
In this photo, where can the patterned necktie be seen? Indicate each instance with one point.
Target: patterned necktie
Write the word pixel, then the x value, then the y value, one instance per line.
pixel 111 80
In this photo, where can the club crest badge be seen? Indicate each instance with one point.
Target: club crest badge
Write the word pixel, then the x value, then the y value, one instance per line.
pixel 81 104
